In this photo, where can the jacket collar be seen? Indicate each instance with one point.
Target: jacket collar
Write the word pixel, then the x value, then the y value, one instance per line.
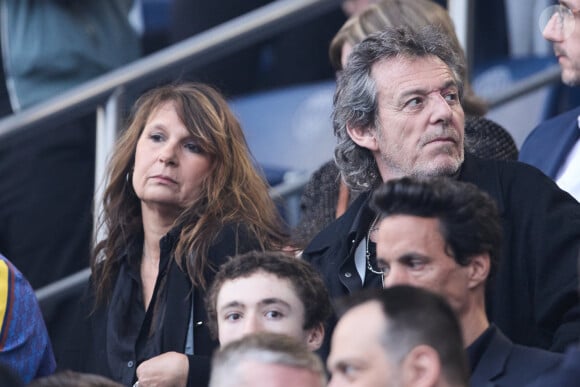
pixel 493 361
pixel 351 226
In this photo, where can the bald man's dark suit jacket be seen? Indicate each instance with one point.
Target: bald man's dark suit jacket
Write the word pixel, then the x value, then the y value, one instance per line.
pixel 505 364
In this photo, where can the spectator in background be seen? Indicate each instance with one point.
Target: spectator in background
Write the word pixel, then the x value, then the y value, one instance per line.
pixel 268 291
pixel 183 195
pixel 326 196
pixel 294 56
pixel 554 146
pixel 397 113
pixel 401 336
pixel 47 176
pixel 266 359
pixel 52 46
pixel 25 347
pixel 445 236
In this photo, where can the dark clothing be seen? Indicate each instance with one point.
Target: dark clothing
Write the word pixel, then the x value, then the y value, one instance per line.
pixel 502 363
pixel 294 56
pixel 533 296
pixel 234 74
pixel 122 334
pixel 567 374
pixel 548 145
pixel 132 336
pixel 477 349
pixel 45 200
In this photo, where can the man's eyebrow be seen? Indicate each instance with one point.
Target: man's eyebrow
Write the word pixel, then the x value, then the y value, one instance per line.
pixel 412 255
pixel 423 91
pixel 233 304
pixel 273 300
pixel 405 256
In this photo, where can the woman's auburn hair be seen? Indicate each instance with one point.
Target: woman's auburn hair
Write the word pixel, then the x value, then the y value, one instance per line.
pixel 233 192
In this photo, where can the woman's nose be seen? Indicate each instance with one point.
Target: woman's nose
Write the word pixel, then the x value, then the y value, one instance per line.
pixel 167 154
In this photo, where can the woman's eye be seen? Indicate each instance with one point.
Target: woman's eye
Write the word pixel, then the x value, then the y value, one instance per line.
pixel 156 137
pixel 193 147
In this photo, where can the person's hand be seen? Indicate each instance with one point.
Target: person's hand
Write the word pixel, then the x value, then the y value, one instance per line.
pixel 169 369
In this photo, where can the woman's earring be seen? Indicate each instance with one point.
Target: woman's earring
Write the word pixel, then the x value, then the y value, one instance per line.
pixel 128 177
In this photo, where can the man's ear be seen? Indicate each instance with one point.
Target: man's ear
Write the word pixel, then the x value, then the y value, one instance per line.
pixel 421 367
pixel 314 337
pixel 479 268
pixel 363 137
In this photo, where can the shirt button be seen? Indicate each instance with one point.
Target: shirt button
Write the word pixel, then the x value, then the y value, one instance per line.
pixel 347 274
pixel 130 364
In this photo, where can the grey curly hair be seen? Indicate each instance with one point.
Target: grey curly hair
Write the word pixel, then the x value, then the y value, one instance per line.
pixel 355 99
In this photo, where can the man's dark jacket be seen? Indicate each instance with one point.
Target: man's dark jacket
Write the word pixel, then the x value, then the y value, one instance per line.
pixel 505 364
pixel 548 145
pixel 533 298
pixel 567 374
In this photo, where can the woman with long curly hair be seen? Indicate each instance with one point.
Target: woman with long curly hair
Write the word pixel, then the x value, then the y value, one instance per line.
pixel 182 195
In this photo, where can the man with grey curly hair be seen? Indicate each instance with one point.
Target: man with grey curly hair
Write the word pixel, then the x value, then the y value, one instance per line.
pixel 407 150
pixel 397 112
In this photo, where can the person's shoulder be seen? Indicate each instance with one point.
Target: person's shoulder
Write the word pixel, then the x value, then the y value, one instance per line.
pixel 326 171
pixel 537 359
pixel 566 374
pixel 12 279
pixel 477 168
pixel 234 237
pixel 546 130
pixel 322 187
pixel 523 363
pixel 231 231
pixel 8 266
pixel 570 115
pixel 488 139
pixel 513 184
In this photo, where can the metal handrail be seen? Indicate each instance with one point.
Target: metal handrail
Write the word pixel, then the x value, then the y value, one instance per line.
pixel 543 78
